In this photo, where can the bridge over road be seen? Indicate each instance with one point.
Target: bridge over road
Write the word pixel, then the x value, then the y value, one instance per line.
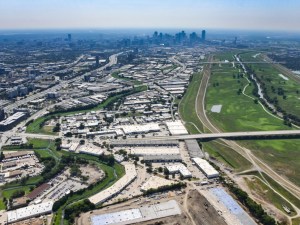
pixel 232 135
pixel 202 136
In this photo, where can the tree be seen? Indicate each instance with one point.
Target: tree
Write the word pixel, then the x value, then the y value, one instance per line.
pixel 81 126
pixel 56 128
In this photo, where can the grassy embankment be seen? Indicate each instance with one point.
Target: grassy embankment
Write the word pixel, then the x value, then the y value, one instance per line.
pixel 263 192
pixel 187 105
pixel 188 114
pixel 277 187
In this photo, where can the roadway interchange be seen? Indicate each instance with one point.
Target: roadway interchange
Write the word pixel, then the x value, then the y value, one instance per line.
pixel 258 165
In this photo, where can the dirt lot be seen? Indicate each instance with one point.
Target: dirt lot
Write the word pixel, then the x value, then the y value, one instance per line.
pixel 202 211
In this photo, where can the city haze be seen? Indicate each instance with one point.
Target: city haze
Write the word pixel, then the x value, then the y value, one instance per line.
pixel 248 15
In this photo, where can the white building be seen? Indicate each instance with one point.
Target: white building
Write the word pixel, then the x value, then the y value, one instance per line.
pixel 140 129
pixel 176 128
pixel 117 187
pixel 206 168
pixel 29 212
pixel 179 168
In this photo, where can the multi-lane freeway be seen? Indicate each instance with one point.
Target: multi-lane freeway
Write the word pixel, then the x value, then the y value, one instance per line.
pixel 8 108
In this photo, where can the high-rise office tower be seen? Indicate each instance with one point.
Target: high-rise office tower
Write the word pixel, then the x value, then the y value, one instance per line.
pixel 97 60
pixel 69 37
pixel 203 36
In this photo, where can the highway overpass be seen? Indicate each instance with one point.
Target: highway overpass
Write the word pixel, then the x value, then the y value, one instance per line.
pixel 206 136
pixel 233 135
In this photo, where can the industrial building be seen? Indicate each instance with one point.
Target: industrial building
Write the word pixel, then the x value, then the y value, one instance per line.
pixel 29 212
pixel 140 129
pixel 206 168
pixel 194 149
pixel 146 213
pixel 116 188
pixel 162 158
pixel 144 143
pixel 11 121
pixel 176 128
pixel 179 168
pixel 162 151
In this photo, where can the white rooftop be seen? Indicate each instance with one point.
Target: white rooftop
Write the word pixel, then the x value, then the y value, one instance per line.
pixel 176 128
pixel 206 167
pixel 130 175
pixel 29 211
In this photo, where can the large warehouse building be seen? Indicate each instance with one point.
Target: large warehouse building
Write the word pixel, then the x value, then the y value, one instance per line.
pixel 206 168
pixel 29 212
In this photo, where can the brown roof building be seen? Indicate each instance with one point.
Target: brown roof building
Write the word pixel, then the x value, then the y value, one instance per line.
pixel 38 191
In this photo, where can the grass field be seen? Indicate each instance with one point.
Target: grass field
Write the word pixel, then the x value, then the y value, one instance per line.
pixel 278 188
pixel 8 192
pixel 296 221
pixel 270 75
pixel 187 105
pixel 189 115
pixel 282 155
pixel 226 155
pixel 240 113
pixel 35 127
pixel 262 191
pixel 117 76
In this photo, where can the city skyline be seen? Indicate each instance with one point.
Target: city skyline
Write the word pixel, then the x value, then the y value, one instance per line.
pixel 250 15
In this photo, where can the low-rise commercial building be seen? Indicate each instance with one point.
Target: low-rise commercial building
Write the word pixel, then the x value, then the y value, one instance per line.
pixel 206 168
pixel 116 188
pixel 179 168
pixel 29 212
pixel 11 121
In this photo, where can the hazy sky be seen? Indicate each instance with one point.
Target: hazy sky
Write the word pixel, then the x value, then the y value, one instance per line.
pixel 233 14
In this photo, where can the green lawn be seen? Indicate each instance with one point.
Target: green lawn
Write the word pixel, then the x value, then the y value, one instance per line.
pixel 6 193
pixel 296 221
pixel 35 126
pixel 226 155
pixel 278 188
pixel 262 191
pixel 189 115
pixel 270 76
pixel 239 113
pixel 117 76
pixel 2 205
pixel 187 105
pixel 282 155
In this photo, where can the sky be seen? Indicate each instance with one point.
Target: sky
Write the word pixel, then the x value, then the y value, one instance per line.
pixel 214 14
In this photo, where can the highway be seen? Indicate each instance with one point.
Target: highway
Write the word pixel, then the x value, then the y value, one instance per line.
pixel 249 62
pixel 201 136
pixel 8 108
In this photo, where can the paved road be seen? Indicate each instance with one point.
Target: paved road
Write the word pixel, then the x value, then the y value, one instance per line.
pixel 233 62
pixel 112 61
